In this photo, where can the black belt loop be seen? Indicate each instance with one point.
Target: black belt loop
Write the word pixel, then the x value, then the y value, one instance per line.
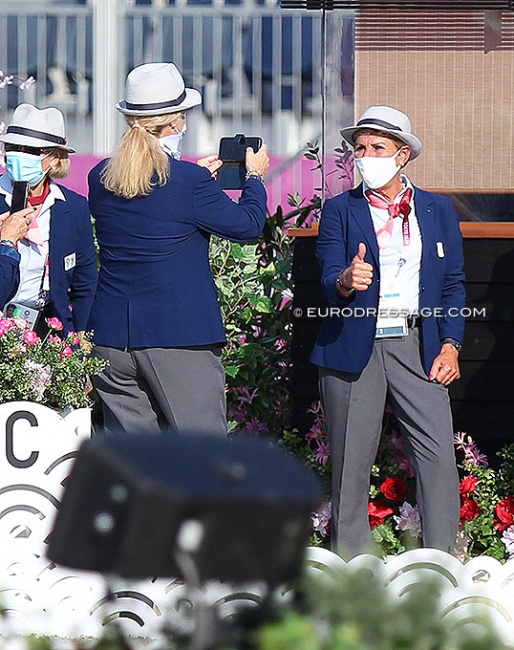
pixel 413 322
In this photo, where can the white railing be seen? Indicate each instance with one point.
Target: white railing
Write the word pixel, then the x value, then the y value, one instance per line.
pixel 257 66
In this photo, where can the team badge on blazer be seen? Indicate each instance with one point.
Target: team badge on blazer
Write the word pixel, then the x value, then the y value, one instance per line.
pixel 70 261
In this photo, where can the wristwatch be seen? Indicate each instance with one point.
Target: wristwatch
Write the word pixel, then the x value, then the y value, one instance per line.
pixel 7 242
pixel 456 344
pixel 343 285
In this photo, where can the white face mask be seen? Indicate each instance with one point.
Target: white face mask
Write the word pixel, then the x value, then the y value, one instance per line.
pixel 171 143
pixel 377 172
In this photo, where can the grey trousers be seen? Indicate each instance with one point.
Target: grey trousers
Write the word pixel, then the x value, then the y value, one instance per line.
pixel 152 390
pixel 354 408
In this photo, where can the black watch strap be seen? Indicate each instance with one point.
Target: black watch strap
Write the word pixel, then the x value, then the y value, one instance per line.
pixel 456 344
pixel 343 285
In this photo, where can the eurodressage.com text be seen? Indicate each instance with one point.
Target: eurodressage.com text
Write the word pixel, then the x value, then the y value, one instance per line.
pixel 373 312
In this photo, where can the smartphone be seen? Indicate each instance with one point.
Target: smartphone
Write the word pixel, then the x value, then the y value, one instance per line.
pixel 232 152
pixel 20 194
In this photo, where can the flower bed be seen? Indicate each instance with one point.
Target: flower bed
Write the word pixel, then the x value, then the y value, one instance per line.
pixel 52 371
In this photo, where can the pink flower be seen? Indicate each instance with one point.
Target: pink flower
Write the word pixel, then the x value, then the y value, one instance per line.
pixel 55 340
pixel 409 519
pixel 67 352
pixel 5 325
pixel 54 324
pixel 280 345
pixel 285 303
pixel 30 337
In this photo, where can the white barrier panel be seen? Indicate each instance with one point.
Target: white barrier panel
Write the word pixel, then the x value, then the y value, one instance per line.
pixel 37 451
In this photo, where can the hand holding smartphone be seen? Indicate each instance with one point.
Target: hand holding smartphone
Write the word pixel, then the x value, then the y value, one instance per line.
pixel 232 151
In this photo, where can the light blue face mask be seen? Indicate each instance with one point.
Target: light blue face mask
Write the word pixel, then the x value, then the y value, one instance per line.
pixel 24 167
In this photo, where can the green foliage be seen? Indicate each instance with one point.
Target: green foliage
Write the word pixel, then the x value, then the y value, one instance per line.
pixel 487 496
pixel 355 611
pixel 255 292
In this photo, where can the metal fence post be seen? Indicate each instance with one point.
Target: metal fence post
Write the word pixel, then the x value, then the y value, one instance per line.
pixel 108 71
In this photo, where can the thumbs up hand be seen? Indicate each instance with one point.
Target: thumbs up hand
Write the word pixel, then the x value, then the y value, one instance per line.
pixel 359 275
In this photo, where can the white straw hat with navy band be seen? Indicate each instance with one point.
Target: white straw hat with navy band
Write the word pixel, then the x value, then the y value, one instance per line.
pixel 389 120
pixel 37 128
pixel 157 89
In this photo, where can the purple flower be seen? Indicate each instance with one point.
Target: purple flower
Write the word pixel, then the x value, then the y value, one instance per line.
pixel 322 454
pixel 462 545
pixel 321 519
pixel 244 396
pixel 508 540
pixel 39 378
pixel 472 454
pixel 409 519
pixel 30 81
pixel 255 427
pixel 316 432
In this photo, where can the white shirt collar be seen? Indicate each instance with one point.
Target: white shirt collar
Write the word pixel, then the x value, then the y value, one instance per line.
pixel 406 185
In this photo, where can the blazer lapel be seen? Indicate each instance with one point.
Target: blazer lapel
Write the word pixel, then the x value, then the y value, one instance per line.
pixel 59 226
pixel 424 206
pixel 361 216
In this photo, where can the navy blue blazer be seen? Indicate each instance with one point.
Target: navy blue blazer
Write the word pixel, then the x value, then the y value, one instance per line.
pixel 345 342
pixel 9 273
pixel 155 286
pixel 73 264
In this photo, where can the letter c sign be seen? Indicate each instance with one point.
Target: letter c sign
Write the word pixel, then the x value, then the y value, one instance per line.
pixel 9 442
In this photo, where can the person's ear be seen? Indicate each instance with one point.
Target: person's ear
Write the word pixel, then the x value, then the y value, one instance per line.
pixel 404 155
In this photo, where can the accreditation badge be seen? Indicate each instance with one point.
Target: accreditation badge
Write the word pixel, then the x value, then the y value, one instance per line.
pixel 392 318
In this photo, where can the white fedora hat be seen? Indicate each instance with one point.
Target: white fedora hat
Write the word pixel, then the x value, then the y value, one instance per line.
pixel 387 119
pixel 157 89
pixel 38 128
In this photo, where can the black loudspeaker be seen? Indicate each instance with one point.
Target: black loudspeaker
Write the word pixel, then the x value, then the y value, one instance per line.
pixel 134 505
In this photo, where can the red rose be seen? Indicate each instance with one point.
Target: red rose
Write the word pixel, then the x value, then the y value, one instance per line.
pixel 468 485
pixel 394 489
pixel 378 512
pixel 468 510
pixel 505 513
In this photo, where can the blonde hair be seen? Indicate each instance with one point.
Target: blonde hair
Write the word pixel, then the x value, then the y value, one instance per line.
pixel 138 158
pixel 62 168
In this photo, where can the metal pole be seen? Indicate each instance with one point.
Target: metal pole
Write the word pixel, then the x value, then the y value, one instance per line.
pixel 108 72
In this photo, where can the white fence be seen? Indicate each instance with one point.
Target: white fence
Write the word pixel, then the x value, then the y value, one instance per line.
pixel 258 66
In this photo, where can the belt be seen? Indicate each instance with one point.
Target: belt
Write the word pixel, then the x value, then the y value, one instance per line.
pixel 413 322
